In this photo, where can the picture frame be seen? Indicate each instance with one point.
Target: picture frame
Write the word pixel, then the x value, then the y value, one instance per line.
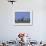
pixel 23 18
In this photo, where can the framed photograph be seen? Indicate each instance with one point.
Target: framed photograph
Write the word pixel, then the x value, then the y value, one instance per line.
pixel 23 18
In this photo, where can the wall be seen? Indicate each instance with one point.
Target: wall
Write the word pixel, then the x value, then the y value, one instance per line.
pixel 9 31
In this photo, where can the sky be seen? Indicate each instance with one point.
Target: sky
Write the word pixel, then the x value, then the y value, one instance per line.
pixel 20 15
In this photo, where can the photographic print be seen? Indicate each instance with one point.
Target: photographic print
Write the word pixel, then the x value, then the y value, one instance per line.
pixel 23 18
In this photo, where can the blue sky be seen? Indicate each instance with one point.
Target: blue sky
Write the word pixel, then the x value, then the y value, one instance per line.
pixel 20 15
